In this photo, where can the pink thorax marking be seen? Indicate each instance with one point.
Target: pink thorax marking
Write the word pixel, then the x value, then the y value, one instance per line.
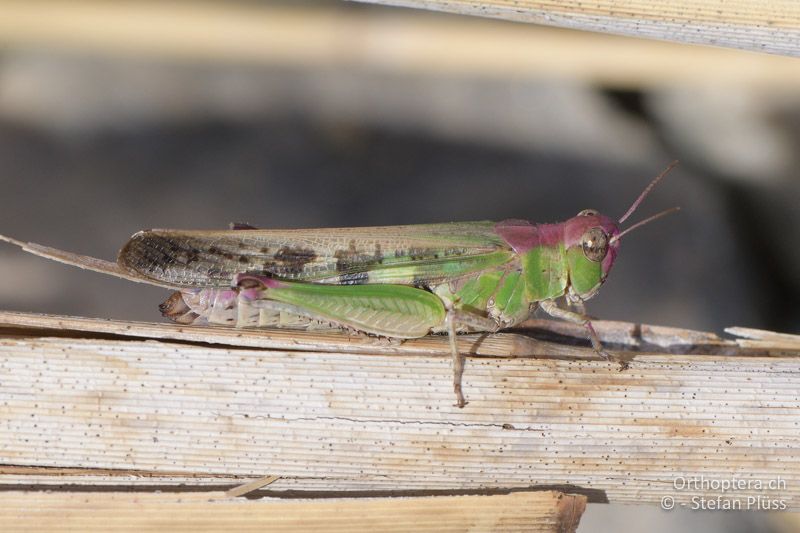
pixel 523 236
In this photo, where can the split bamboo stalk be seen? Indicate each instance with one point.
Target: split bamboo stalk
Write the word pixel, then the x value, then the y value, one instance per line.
pixel 213 511
pixel 399 42
pixel 338 414
pixel 747 24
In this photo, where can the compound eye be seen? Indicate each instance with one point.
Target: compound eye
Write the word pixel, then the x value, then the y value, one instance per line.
pixel 588 213
pixel 595 244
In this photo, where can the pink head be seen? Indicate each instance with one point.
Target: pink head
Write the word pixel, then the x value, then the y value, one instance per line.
pixel 592 239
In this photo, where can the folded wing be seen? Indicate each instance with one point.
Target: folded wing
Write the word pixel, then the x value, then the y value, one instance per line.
pixel 419 255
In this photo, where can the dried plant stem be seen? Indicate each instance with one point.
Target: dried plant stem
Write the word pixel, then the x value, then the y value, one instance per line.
pixel 383 421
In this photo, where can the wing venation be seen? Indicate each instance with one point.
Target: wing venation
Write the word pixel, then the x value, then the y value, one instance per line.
pixel 420 254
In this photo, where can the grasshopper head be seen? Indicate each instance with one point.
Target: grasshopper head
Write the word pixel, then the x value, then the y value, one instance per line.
pixel 592 241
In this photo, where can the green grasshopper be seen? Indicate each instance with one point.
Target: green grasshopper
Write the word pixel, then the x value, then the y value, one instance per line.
pixel 399 282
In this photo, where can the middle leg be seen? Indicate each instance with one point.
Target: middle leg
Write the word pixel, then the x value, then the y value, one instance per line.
pixel 454 318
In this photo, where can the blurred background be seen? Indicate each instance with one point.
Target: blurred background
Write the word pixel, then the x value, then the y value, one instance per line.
pixel 116 117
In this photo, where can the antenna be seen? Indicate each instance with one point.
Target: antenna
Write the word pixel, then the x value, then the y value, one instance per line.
pixel 646 191
pixel 645 221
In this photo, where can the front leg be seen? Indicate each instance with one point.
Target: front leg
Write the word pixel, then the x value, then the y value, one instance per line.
pixel 575 301
pixel 550 307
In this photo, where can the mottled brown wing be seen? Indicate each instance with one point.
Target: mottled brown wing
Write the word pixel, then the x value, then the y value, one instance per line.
pixel 419 254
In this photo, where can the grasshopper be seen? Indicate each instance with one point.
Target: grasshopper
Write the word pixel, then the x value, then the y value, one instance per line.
pixel 399 282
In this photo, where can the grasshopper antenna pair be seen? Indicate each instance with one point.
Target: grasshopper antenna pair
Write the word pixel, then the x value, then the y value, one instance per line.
pixel 640 199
